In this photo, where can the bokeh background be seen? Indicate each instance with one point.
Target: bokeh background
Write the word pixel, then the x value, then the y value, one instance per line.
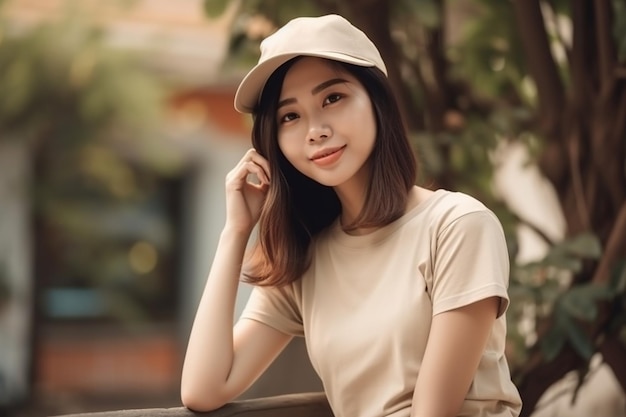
pixel 117 129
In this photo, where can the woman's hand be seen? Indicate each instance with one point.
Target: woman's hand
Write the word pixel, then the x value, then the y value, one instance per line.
pixel 244 198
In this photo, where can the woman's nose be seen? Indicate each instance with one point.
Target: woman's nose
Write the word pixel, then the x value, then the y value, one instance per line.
pixel 318 131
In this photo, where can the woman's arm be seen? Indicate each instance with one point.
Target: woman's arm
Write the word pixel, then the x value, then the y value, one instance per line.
pixel 222 361
pixel 456 343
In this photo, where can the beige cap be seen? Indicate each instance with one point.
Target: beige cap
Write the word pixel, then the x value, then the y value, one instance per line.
pixel 329 36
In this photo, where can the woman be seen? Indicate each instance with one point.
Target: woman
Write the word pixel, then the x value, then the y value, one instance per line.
pixel 399 291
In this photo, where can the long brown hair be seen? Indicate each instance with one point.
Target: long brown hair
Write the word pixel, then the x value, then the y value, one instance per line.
pixel 297 208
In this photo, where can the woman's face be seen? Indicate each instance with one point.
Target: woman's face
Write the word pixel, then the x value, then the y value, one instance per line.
pixel 326 123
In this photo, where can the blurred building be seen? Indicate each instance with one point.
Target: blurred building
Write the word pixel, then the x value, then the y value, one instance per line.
pixel 71 343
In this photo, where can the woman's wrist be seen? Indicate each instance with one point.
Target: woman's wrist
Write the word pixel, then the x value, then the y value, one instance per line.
pixel 236 231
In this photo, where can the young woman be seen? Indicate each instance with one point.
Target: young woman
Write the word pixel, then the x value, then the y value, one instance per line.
pixel 399 291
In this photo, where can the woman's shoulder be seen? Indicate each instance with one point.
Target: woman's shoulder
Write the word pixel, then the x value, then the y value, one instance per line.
pixel 459 202
pixel 444 207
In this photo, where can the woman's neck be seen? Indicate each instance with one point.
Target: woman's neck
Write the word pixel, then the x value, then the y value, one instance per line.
pixel 352 202
pixel 352 199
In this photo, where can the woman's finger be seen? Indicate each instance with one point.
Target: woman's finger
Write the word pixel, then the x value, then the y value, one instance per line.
pixel 255 169
pixel 240 175
pixel 253 156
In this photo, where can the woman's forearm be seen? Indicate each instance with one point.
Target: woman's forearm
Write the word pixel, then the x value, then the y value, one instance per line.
pixel 210 353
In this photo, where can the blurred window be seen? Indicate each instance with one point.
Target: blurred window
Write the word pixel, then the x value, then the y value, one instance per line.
pixel 106 238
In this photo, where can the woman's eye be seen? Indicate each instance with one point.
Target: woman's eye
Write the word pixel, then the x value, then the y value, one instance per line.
pixel 288 117
pixel 332 98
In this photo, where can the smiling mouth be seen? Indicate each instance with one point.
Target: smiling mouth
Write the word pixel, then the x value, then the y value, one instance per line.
pixel 327 153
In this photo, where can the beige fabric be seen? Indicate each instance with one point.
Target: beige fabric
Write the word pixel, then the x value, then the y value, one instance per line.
pixel 366 303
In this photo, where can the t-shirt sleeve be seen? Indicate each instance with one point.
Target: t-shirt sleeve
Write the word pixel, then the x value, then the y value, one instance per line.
pixel 471 263
pixel 276 307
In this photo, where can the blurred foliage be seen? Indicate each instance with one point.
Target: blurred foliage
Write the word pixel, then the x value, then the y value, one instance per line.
pixel 541 288
pixel 579 306
pixel 489 56
pixel 60 82
pixel 619 28
pixel 91 115
pixel 215 8
pixel 5 289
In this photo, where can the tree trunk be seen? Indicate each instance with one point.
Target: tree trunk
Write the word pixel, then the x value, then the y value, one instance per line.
pixel 584 159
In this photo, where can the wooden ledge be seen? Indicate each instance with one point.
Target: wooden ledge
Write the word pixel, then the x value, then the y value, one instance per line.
pixel 312 404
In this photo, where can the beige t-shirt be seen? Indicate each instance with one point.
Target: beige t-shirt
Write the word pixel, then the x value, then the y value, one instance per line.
pixel 366 303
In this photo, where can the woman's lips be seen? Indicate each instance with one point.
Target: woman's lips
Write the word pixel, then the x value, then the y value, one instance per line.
pixel 328 156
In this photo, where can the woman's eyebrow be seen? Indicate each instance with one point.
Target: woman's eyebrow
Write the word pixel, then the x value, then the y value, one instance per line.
pixel 327 84
pixel 317 89
pixel 285 102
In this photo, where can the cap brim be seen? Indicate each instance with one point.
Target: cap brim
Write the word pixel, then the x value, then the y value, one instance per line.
pixel 249 91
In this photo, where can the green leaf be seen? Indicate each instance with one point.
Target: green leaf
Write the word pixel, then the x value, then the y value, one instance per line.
pixel 215 8
pixel 552 343
pixel 579 340
pixel 425 11
pixel 585 245
pixel 581 301
pixel 618 277
pixel 561 261
pixel 568 254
